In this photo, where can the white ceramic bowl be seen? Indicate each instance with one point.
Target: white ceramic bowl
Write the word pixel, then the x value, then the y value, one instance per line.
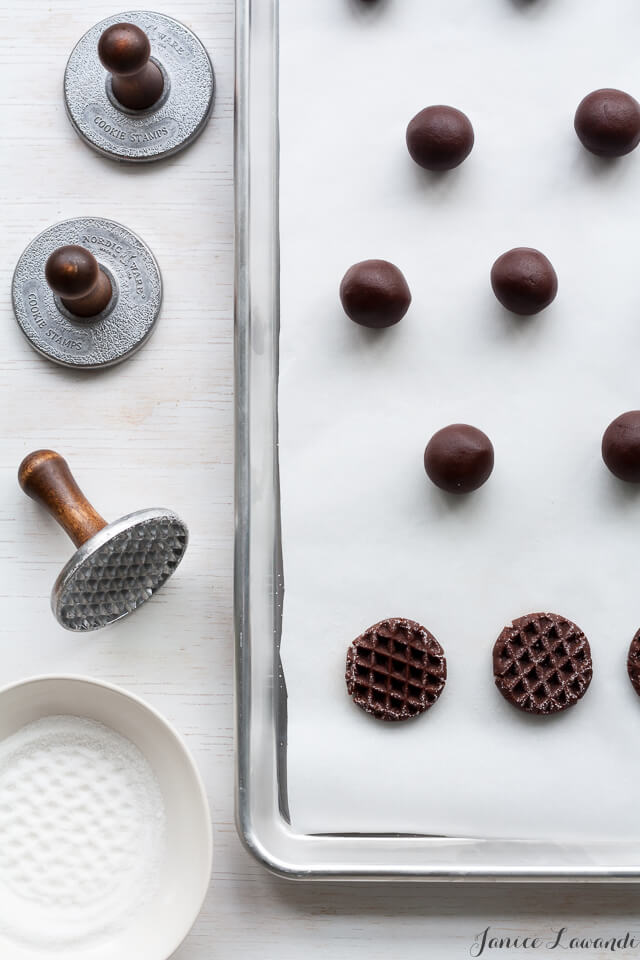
pixel 156 929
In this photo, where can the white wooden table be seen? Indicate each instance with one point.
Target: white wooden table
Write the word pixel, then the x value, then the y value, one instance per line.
pixel 158 431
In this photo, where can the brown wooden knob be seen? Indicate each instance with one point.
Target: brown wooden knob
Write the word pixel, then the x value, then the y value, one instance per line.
pixel 136 81
pixel 74 274
pixel 45 477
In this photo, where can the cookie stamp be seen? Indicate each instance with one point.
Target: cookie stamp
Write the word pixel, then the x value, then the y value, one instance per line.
pixel 156 100
pixel 121 327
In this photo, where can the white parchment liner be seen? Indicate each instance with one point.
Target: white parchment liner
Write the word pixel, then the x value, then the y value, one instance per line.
pixel 365 534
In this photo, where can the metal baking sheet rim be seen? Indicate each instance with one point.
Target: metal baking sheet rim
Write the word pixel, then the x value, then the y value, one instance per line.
pixel 260 714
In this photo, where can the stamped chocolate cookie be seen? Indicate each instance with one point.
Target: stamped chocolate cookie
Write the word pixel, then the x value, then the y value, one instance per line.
pixel 542 663
pixel 633 663
pixel 395 670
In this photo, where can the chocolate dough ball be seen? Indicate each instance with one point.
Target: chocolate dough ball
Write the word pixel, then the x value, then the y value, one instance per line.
pixel 440 138
pixel 524 281
pixel 459 458
pixel 374 293
pixel 621 446
pixel 608 123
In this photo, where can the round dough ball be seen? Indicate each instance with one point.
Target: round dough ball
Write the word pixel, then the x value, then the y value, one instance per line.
pixel 459 458
pixel 608 123
pixel 621 446
pixel 440 138
pixel 374 293
pixel 524 281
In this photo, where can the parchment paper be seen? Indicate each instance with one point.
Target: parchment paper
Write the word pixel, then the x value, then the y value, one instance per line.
pixel 366 536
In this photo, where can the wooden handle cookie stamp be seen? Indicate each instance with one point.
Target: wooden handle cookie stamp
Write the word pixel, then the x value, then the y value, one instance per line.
pixel 117 566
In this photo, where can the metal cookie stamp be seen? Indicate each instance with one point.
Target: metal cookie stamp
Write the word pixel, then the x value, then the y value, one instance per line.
pixel 139 86
pixel 87 293
pixel 117 566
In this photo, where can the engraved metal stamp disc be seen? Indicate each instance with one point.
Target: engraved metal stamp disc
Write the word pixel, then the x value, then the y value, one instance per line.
pixel 122 327
pixel 141 135
pixel 119 569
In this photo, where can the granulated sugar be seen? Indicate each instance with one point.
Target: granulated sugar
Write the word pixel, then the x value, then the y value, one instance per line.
pixel 82 832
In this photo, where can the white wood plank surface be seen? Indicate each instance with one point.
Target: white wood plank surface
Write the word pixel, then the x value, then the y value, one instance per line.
pixel 158 431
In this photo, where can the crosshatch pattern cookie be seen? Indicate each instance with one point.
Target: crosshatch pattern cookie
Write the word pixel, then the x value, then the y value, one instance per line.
pixel 633 663
pixel 542 663
pixel 396 670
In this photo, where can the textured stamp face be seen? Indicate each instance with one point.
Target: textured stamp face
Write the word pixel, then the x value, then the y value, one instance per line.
pixel 118 569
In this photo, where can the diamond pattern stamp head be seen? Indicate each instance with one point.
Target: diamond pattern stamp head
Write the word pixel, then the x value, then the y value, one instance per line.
pixel 120 568
pixel 542 663
pixel 396 670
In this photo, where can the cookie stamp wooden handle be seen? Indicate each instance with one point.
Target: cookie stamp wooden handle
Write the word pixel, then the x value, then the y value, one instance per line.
pixel 75 275
pixel 45 477
pixel 136 81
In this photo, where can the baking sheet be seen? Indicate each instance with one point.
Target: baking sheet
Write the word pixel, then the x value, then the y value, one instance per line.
pixel 365 536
